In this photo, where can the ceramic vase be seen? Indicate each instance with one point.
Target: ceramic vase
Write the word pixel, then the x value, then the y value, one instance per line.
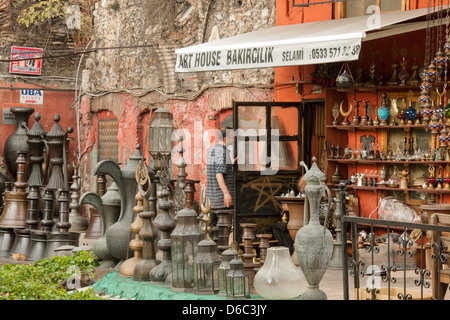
pixel 314 242
pixel 410 114
pixel 18 140
pixel 279 278
pixel 383 111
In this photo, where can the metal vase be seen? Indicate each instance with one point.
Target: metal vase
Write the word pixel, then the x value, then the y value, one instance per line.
pixel 314 242
pixel 18 140
pixel 108 207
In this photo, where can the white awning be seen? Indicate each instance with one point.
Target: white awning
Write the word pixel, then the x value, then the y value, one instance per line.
pixel 300 44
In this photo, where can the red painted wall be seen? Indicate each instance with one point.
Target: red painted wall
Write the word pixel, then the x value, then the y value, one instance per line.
pixel 54 102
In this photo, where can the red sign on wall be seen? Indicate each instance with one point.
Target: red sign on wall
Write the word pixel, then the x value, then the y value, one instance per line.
pixel 26 60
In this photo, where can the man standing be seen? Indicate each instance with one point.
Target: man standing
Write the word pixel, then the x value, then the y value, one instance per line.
pixel 220 179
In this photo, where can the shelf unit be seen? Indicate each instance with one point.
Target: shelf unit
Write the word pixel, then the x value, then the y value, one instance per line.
pixel 342 134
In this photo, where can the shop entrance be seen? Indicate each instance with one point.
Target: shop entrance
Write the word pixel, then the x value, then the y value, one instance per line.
pixel 268 144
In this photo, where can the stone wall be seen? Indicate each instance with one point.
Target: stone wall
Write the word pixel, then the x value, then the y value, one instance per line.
pixel 59 69
pixel 125 23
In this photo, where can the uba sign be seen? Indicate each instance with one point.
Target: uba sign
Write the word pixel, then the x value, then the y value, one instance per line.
pixel 31 96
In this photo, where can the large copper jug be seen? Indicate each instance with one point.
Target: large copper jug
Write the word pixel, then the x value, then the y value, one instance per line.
pixel 118 235
pixel 108 208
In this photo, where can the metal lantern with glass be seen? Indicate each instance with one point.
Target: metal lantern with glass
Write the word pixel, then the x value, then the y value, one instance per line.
pixel 238 286
pixel 184 240
pixel 160 148
pixel 207 261
pixel 227 256
pixel 160 134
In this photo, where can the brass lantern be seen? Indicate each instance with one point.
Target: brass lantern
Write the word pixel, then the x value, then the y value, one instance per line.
pixel 184 240
pixel 161 129
pixel 238 286
pixel 224 267
pixel 206 268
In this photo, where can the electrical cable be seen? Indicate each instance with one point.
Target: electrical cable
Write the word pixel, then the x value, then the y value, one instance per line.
pixel 77 109
pixel 73 52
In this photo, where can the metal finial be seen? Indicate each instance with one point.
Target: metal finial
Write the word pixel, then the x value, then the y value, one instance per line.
pixel 205 206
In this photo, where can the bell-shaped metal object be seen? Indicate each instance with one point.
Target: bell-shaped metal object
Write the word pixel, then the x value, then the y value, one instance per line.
pixel 38 245
pixel 22 240
pixel 59 181
pixel 7 236
pixel 16 203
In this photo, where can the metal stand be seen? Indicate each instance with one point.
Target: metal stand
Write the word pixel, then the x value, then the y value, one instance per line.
pixel 336 258
pixel 165 226
pixel 56 139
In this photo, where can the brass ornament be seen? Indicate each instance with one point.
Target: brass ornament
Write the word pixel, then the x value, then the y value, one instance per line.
pixel 205 206
pixel 345 114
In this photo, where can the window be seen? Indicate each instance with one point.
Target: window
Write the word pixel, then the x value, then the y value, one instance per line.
pixel 267 136
pixel 354 8
pixel 108 144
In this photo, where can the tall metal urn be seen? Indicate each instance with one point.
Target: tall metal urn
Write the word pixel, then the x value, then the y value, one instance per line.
pixel 314 242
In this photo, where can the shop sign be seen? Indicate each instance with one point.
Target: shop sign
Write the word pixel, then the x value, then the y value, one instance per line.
pixel 23 60
pixel 268 56
pixel 7 116
pixel 31 96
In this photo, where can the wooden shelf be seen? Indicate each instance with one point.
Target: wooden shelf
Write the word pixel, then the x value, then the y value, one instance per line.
pixel 381 88
pixel 376 161
pixel 385 188
pixel 359 127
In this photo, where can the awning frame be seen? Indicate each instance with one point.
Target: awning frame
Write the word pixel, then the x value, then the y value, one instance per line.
pixel 302 44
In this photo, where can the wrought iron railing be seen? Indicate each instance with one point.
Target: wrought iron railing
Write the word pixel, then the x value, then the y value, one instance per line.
pixel 386 268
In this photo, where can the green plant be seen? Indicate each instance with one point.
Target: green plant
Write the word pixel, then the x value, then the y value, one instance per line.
pixel 46 279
